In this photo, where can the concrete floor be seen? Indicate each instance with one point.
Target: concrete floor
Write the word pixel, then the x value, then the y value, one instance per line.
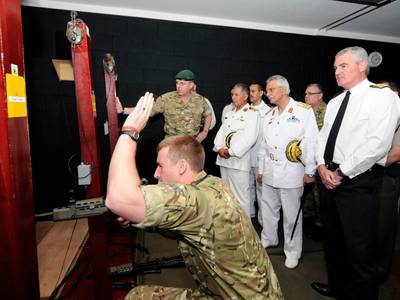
pixel 295 283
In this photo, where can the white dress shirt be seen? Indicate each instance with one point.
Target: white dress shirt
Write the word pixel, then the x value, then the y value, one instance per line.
pixel 367 129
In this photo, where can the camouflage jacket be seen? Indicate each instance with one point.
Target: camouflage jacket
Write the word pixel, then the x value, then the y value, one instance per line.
pixel 181 118
pixel 320 114
pixel 217 240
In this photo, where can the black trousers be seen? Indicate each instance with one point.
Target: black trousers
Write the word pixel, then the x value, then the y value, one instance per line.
pixel 350 217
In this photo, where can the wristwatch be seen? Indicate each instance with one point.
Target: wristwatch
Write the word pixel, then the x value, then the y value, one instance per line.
pixel 340 173
pixel 134 135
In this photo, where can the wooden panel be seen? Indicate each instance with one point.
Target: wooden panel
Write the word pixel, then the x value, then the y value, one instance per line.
pixel 58 251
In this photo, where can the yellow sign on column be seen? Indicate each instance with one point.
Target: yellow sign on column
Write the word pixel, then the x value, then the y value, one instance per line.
pixel 16 96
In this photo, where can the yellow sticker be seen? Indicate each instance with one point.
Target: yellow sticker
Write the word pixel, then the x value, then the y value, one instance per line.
pixel 16 96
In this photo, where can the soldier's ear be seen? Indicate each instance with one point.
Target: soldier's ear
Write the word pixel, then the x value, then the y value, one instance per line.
pixel 182 166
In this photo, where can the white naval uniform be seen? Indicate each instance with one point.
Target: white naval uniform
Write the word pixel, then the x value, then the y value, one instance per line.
pixel 243 127
pixel 283 180
pixel 226 108
pixel 255 187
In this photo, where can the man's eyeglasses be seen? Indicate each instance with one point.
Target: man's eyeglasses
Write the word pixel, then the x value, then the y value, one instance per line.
pixel 316 93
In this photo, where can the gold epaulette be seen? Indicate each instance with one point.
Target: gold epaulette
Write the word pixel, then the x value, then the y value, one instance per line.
pixel 303 105
pixel 379 85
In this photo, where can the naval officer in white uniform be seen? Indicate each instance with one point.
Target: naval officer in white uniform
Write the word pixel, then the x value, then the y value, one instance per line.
pixel 234 139
pixel 284 126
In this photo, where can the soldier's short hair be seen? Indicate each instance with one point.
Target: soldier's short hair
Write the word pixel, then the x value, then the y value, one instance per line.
pixel 281 81
pixel 318 86
pixel 359 54
pixel 184 147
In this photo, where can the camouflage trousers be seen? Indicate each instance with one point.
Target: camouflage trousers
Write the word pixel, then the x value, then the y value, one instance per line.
pixel 148 292
pixel 311 204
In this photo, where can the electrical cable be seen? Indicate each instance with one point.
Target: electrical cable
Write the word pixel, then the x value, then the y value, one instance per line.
pixel 55 292
pixel 66 252
pixel 86 260
pixel 77 281
pixel 69 166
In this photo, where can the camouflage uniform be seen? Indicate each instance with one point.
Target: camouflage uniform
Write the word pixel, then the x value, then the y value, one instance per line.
pixel 217 241
pixel 320 114
pixel 311 207
pixel 181 118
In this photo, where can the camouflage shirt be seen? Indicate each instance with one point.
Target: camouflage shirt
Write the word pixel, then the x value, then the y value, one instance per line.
pixel 320 114
pixel 181 118
pixel 217 240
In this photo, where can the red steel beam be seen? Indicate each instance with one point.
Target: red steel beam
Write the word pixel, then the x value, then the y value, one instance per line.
pixel 86 108
pixel 110 78
pixel 18 253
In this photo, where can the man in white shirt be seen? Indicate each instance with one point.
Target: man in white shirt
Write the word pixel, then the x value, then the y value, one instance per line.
pixel 234 139
pixel 257 104
pixel 283 176
pixel 350 153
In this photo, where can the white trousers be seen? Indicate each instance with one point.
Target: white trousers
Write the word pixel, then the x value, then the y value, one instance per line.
pixel 272 201
pixel 255 194
pixel 238 181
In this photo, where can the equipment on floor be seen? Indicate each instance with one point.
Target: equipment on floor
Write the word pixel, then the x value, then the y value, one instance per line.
pixel 153 266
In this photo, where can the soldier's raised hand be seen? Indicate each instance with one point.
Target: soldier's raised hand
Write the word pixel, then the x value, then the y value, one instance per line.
pixel 138 118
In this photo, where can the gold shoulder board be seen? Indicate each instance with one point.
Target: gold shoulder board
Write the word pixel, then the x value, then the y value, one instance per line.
pixel 379 85
pixel 303 105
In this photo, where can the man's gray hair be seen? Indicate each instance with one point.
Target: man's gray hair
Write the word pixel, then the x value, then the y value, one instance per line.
pixel 359 54
pixel 281 81
pixel 244 87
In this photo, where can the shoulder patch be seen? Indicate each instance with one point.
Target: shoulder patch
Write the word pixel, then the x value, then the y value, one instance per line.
pixel 379 85
pixel 303 105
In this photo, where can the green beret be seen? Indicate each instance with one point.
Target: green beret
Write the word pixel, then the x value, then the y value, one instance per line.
pixel 185 75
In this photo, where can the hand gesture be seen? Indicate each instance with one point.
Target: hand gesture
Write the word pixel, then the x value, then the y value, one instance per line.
pixel 138 118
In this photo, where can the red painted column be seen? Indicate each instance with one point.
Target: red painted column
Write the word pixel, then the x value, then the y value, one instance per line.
pixel 86 107
pixel 110 77
pixel 18 268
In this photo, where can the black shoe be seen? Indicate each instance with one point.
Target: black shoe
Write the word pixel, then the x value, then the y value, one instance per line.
pixel 323 289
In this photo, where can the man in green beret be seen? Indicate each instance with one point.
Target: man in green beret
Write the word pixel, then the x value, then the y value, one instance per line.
pixel 183 109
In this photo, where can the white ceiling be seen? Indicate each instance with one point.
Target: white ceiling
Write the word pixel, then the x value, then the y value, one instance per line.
pixel 293 16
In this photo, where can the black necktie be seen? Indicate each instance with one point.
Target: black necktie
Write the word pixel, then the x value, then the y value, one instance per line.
pixel 330 144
